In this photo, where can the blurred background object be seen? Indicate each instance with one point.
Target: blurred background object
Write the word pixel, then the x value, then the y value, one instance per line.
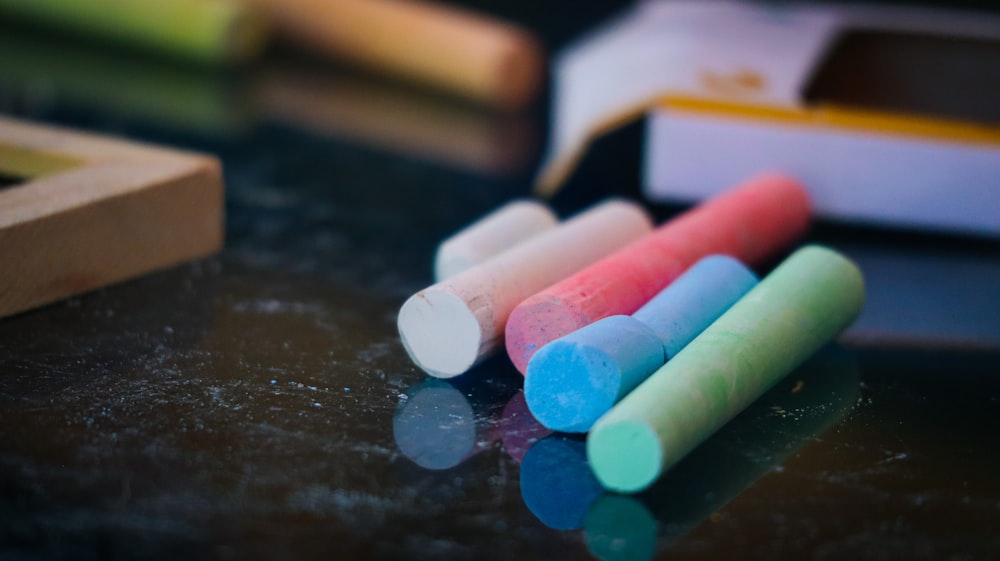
pixel 729 89
pixel 454 49
pixel 41 67
pixel 369 110
pixel 206 31
pixel 469 54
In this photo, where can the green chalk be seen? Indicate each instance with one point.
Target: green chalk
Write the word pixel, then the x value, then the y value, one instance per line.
pixel 202 30
pixel 806 301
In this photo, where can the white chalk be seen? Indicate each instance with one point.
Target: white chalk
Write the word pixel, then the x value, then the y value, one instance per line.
pixel 448 327
pixel 494 233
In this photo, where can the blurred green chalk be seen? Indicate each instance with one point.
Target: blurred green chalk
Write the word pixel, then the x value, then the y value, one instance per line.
pixel 207 31
pixel 806 301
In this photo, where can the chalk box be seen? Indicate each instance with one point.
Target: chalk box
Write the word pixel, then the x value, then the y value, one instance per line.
pixel 886 113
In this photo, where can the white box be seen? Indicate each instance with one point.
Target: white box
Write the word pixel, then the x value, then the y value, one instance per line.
pixel 723 86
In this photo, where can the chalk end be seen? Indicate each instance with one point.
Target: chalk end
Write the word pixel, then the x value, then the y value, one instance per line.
pixel 536 322
pixel 568 385
pixel 520 72
pixel 440 333
pixel 626 455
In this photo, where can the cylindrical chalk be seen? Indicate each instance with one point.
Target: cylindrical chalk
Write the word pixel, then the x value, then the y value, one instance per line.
pixel 760 439
pixel 448 327
pixel 805 301
pixel 494 233
pixel 473 55
pixel 575 379
pixel 692 302
pixel 203 30
pixel 750 222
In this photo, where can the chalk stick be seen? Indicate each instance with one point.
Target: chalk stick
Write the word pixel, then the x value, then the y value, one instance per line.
pixel 694 300
pixel 458 50
pixel 750 222
pixel 214 31
pixel 807 300
pixel 790 416
pixel 450 326
pixel 494 233
pixel 575 379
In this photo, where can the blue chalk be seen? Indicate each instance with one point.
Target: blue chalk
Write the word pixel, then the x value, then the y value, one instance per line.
pixel 695 299
pixel 575 379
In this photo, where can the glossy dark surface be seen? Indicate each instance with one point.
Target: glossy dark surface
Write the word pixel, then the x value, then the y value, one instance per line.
pixel 258 404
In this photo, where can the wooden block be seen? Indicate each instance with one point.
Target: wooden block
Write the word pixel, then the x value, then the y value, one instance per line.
pixel 92 211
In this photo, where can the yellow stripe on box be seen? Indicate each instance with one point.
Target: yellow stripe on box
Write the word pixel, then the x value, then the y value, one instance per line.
pixel 834 116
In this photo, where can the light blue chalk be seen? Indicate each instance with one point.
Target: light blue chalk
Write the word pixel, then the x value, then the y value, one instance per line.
pixel 572 381
pixel 694 300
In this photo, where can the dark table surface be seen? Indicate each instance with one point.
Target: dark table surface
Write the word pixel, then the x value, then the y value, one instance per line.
pixel 259 404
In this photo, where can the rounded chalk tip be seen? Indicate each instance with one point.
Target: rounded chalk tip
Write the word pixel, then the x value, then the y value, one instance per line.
pixel 626 455
pixel 849 267
pixel 440 333
pixel 569 385
pixel 850 281
pixel 572 381
pixel 520 70
pixel 532 323
pixel 506 227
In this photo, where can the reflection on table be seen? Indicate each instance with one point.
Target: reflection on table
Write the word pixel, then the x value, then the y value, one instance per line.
pixel 557 484
pixel 441 424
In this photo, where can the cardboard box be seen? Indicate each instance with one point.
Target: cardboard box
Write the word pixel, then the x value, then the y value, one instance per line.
pixel 887 114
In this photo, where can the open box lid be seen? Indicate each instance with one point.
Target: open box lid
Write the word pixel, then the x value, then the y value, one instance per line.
pixel 757 66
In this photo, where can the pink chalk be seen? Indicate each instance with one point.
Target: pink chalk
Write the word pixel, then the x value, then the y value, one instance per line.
pixel 751 222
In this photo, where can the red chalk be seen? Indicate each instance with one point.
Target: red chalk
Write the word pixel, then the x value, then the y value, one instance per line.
pixel 751 222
